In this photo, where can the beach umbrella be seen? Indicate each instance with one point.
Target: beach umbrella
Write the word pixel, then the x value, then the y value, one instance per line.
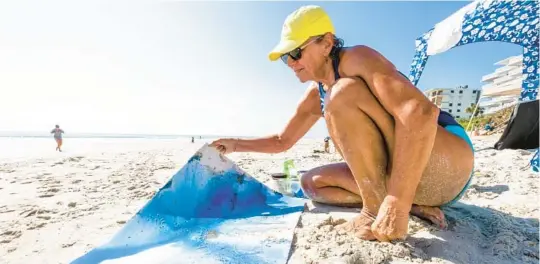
pixel 493 20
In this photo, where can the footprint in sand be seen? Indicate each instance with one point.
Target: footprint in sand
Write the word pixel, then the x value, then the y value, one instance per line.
pixel 91 208
pixel 36 211
pixel 57 163
pixel 75 159
pixel 5 209
pixel 54 189
pixel 49 193
pixel 28 212
pixel 33 226
pixel 164 167
pixel 41 175
pixel 66 245
pixel 9 236
pixel 50 186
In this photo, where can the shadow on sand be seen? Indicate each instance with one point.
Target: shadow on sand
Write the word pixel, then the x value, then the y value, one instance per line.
pixel 482 235
pixel 498 189
pixel 474 235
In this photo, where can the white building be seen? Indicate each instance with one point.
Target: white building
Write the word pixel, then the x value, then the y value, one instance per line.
pixel 454 100
pixel 503 87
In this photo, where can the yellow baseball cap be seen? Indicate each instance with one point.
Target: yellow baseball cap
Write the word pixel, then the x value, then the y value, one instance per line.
pixel 299 26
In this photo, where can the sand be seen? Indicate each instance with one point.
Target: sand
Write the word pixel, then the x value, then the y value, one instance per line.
pixel 55 208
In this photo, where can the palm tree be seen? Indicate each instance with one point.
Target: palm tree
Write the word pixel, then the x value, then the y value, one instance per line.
pixel 470 110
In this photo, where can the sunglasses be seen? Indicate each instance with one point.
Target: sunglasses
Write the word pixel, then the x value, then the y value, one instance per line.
pixel 296 54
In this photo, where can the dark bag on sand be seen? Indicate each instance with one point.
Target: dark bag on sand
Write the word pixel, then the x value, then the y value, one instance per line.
pixel 522 130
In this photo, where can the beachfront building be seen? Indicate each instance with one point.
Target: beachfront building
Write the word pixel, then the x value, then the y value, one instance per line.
pixel 454 100
pixel 503 86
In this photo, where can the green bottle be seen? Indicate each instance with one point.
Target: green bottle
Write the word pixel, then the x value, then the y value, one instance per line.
pixel 290 170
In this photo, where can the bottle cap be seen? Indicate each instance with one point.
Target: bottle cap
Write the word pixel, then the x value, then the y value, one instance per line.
pixel 278 175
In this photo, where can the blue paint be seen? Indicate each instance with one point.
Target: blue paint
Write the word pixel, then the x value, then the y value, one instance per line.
pixel 196 157
pixel 196 202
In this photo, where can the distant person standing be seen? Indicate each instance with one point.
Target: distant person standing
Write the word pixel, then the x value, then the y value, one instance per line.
pixel 327 144
pixel 57 133
pixel 192 139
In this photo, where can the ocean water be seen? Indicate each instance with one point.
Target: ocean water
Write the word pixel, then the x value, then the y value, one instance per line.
pixel 18 148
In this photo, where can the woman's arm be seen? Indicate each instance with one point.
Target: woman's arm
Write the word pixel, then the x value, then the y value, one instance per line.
pixel 306 115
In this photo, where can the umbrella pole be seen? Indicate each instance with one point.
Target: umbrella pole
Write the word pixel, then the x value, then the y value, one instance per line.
pixel 474 112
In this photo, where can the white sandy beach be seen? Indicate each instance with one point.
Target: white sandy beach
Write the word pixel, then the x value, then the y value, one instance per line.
pixel 55 206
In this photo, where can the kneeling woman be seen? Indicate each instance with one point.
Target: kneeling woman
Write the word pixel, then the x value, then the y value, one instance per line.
pixel 402 154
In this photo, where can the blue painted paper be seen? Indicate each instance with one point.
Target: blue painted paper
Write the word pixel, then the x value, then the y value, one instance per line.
pixel 209 212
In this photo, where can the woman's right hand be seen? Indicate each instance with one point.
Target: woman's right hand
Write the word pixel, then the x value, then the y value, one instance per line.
pixel 225 145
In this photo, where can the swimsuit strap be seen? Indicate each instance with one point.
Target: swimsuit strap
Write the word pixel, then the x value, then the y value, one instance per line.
pixel 322 92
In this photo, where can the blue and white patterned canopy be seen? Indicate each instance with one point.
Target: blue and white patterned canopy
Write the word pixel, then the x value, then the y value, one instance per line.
pixel 486 20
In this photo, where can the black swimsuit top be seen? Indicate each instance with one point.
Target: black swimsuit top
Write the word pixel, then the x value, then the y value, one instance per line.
pixel 444 119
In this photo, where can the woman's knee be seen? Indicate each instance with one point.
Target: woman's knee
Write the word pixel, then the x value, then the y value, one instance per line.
pixel 336 174
pixel 347 92
pixel 313 180
pixel 307 180
pixel 307 184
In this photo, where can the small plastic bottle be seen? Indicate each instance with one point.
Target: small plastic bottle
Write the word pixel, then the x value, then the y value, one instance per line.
pixel 292 179
pixel 282 183
pixel 290 170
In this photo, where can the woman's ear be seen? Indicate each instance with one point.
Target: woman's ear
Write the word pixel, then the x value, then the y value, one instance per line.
pixel 328 40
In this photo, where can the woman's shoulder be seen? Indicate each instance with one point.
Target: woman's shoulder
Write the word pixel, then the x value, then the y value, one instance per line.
pixel 350 58
pixel 360 56
pixel 358 51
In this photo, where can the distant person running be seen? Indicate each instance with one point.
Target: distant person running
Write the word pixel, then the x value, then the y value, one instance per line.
pixel 58 137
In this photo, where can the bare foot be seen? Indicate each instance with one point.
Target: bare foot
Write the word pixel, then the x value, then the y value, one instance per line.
pixel 360 226
pixel 429 213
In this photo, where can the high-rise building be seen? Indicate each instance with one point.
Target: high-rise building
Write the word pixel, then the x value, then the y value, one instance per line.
pixel 503 87
pixel 454 100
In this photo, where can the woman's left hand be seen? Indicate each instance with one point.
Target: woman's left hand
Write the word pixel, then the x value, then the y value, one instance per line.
pixel 392 221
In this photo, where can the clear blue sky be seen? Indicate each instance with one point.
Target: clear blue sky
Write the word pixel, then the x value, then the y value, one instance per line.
pixel 192 68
